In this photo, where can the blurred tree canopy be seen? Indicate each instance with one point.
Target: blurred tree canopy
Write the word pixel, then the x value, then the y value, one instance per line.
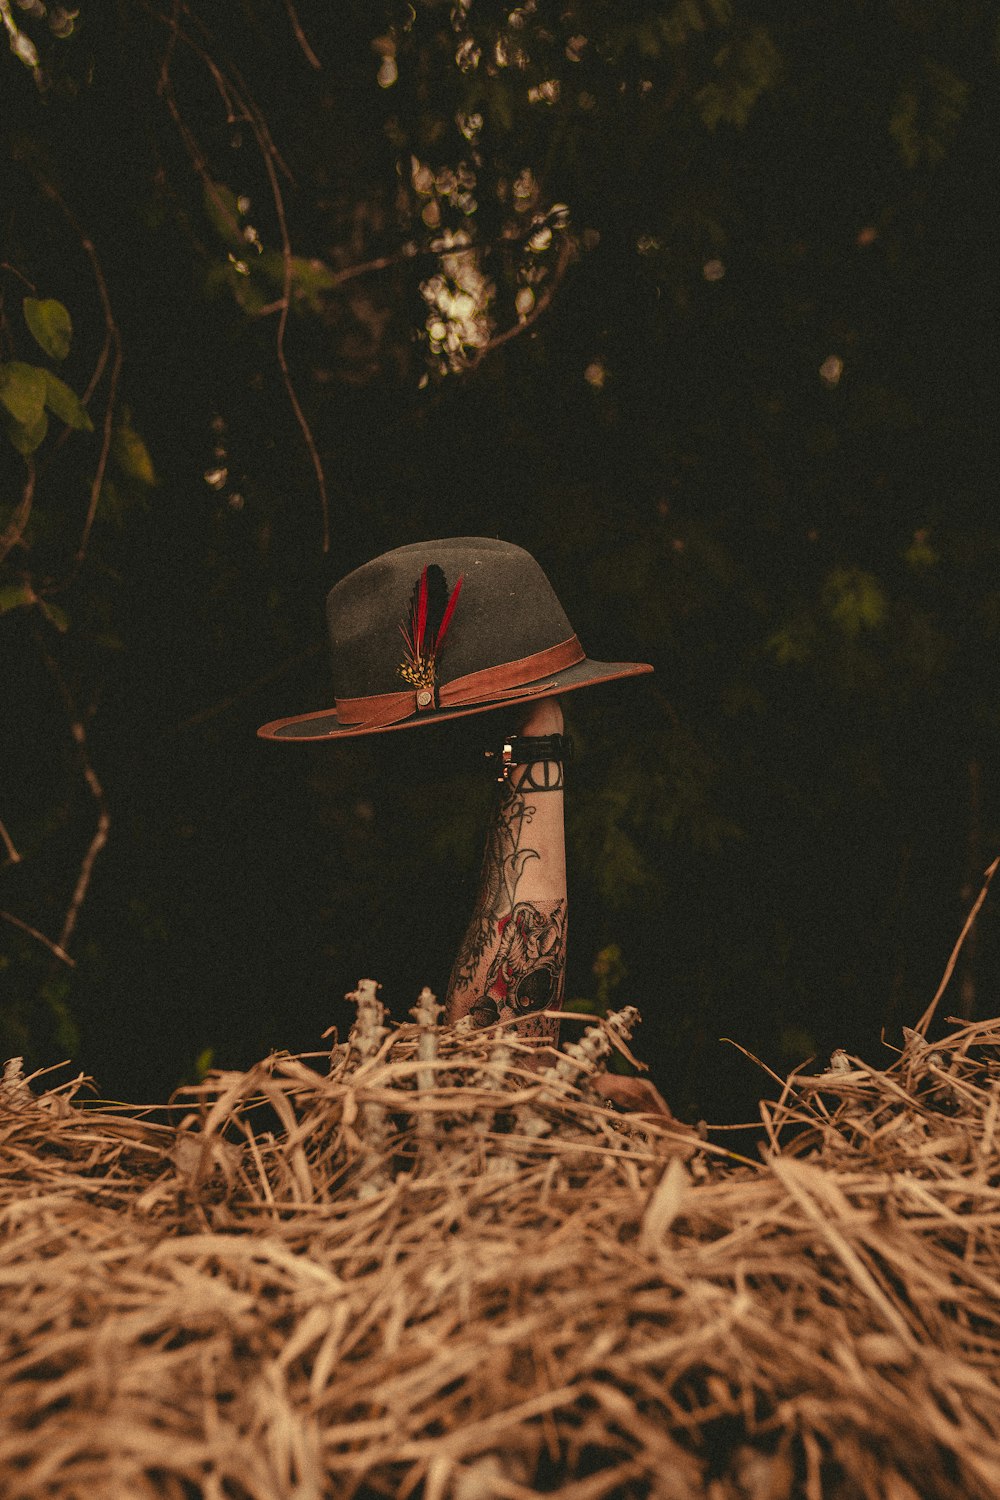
pixel 697 301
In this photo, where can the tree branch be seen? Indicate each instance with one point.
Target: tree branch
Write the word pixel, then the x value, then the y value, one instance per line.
pixel 925 1019
pixel 541 303
pixel 112 346
pixel 100 835
pixel 21 516
pixel 5 265
pixel 300 37
pixel 13 858
pixel 240 105
pixel 286 297
pixel 8 916
pixel 361 268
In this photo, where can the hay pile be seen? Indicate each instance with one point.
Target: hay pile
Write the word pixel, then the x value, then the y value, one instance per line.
pixel 416 1267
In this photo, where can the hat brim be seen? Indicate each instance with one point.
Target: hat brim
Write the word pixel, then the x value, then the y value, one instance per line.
pixel 325 725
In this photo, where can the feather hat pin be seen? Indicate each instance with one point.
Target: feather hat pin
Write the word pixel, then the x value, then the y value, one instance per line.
pixel 431 609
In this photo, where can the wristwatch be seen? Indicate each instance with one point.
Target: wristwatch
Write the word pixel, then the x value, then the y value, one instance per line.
pixel 530 749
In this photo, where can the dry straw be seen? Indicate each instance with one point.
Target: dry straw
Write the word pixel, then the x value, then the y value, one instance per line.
pixel 419 1265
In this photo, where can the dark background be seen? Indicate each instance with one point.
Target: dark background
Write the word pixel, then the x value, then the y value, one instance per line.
pixel 750 434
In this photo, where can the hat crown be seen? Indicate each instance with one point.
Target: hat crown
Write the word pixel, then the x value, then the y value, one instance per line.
pixel 507 609
pixel 408 647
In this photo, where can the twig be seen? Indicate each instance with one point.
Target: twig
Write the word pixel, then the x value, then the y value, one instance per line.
pixel 177 35
pixel 97 843
pixel 925 1019
pixel 5 265
pixel 279 342
pixel 974 861
pixel 247 108
pixel 13 858
pixel 380 263
pixel 21 517
pixel 541 303
pixel 112 345
pixel 300 37
pixel 270 157
pixel 60 952
pixel 362 268
pixel 760 1063
pixel 100 834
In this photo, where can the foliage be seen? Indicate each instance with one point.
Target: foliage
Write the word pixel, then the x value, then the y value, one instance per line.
pixel 692 300
pixel 30 392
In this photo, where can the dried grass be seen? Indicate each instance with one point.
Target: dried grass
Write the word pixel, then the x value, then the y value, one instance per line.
pixel 417 1266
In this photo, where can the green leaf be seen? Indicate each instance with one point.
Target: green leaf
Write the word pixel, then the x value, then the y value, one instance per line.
pixel 793 644
pixel 204 1062
pixel 747 68
pixel 311 279
pixel 51 325
pixel 797 1043
pixel 67 1034
pixel 26 437
pixel 582 1005
pixel 854 600
pixel 132 455
pixel 66 404
pixel 223 276
pixel 920 554
pixel 14 596
pixel 609 971
pixel 55 614
pixel 108 640
pixel 22 391
pixel 927 115
pixel 223 212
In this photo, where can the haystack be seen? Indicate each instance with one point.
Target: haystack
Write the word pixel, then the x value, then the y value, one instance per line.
pixel 419 1265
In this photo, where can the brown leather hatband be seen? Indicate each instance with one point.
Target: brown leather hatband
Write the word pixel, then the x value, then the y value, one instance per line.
pixel 509 680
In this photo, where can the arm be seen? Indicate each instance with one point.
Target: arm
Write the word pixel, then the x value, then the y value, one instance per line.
pixel 512 960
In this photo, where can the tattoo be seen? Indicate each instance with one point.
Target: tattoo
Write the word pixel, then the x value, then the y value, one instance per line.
pixel 506 856
pixel 543 776
pixel 526 974
pixel 513 956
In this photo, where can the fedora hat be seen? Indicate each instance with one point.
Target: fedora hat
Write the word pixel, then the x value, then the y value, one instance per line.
pixel 441 629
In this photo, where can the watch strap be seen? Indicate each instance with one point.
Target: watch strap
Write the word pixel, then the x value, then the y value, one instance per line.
pixel 530 749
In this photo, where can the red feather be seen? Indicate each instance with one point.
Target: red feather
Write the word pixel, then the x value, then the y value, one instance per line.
pixel 431 609
pixel 449 611
pixel 420 619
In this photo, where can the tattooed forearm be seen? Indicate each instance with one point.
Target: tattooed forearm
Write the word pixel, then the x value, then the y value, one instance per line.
pixel 512 960
pixel 507 853
pixel 526 974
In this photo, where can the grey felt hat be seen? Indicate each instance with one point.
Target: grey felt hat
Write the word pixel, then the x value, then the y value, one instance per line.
pixel 437 630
